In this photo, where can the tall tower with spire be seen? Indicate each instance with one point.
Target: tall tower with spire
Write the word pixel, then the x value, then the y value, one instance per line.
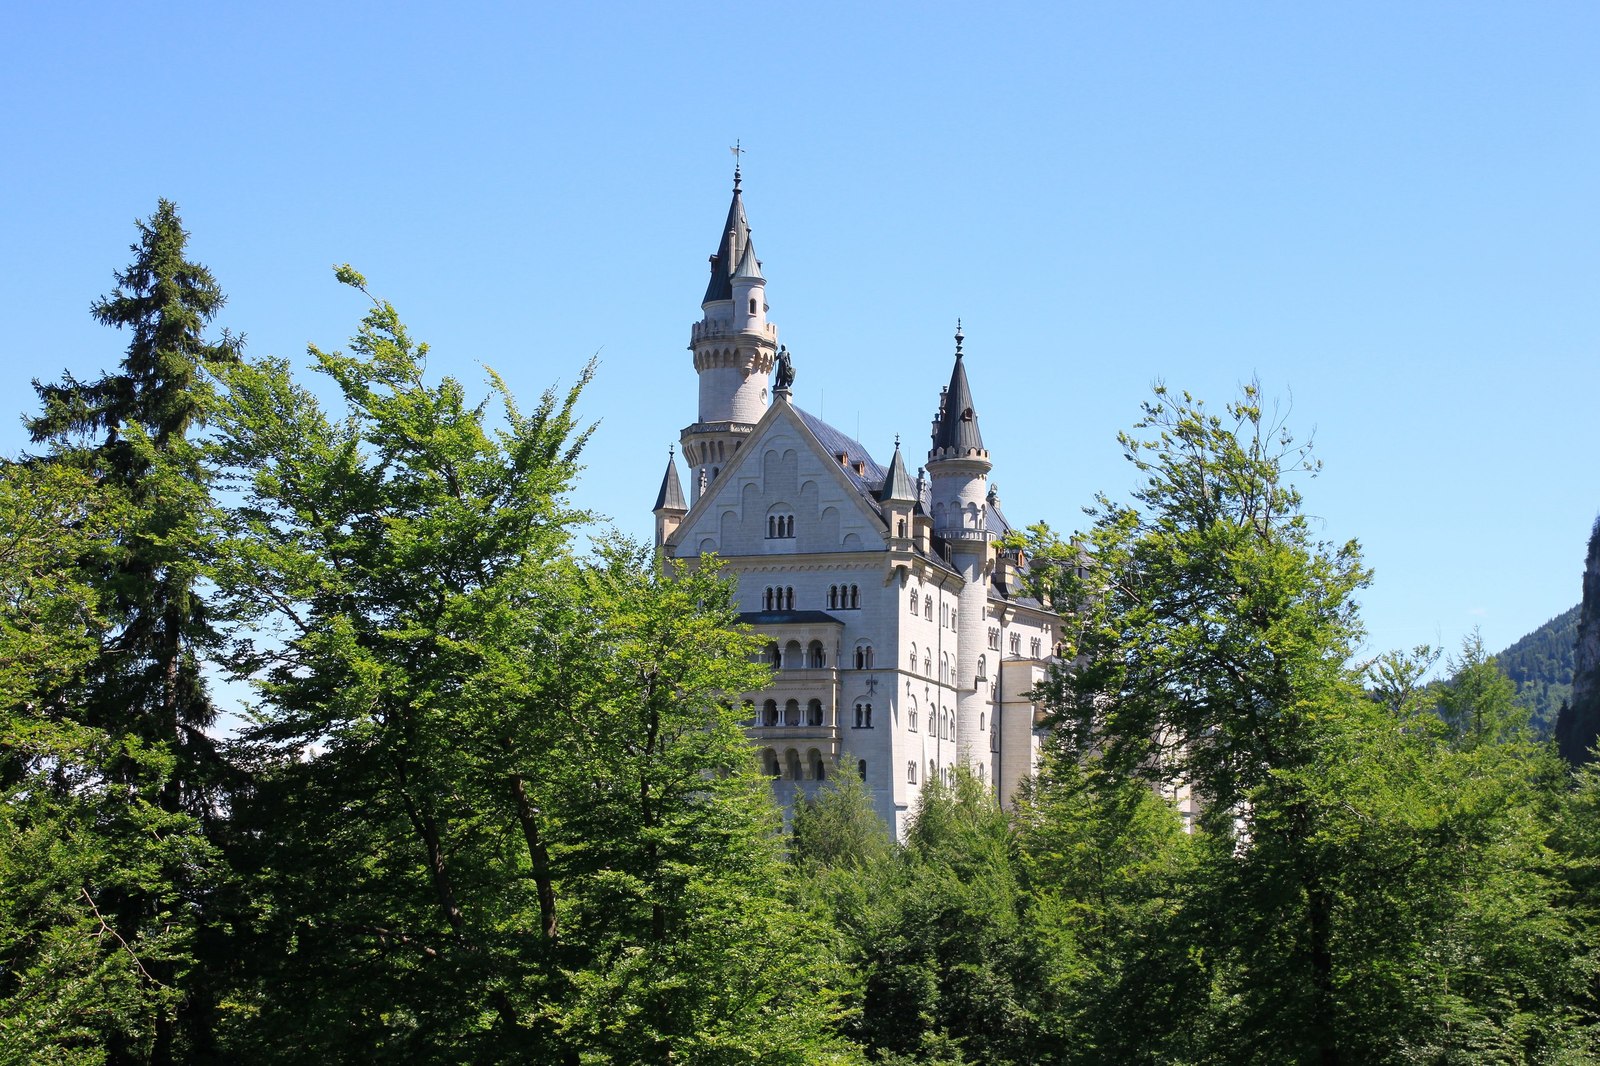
pixel 734 350
pixel 958 471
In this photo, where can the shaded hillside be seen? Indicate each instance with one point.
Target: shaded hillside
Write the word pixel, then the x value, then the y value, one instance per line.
pixel 1578 727
pixel 1541 666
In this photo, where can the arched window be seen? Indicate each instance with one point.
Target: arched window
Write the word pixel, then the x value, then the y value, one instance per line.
pixel 1016 644
pixel 752 305
pixel 772 527
pixel 792 759
pixel 983 667
pixel 833 597
pixel 791 713
pixel 814 712
pixel 814 764
pixel 788 598
pixel 780 525
pixel 766 599
pixel 944 614
pixel 927 664
pixel 980 773
pixel 981 720
pixel 913 666
pixel 855 598
pixel 816 657
pixel 911 772
pixel 933 770
pixel 994 638
pixel 863 656
pixel 863 715
pixel 914 598
pixel 769 713
pixel 774 658
pixel 1033 647
pixel 861 768
pixel 927 607
pixel 769 762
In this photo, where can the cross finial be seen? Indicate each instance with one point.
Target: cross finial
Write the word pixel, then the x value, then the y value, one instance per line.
pixel 672 452
pixel 959 338
pixel 897 442
pixel 737 152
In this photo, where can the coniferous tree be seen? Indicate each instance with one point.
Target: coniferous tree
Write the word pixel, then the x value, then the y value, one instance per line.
pixel 131 431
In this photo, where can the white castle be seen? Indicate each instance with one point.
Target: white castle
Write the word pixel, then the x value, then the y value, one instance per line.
pixel 903 641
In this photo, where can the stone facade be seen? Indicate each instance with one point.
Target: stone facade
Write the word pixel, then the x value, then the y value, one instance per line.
pixel 903 643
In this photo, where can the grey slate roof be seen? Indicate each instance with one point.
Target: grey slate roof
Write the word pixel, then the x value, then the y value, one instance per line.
pixel 670 498
pixel 897 484
pixel 778 618
pixel 835 442
pixel 735 236
pixel 749 266
pixel 958 420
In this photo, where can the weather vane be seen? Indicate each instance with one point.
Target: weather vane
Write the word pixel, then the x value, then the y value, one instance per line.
pixel 737 152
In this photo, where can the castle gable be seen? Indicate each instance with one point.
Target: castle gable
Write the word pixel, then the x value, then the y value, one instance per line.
pixel 786 492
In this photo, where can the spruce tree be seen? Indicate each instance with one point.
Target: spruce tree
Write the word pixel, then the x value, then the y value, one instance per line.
pixel 130 432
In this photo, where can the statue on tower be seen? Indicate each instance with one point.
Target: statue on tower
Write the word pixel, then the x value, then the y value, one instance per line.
pixel 785 369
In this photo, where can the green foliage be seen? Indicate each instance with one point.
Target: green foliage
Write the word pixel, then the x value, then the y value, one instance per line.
pixel 503 807
pixel 1540 665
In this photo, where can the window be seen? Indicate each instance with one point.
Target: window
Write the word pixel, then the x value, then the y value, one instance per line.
pixel 863 716
pixel 933 770
pixel 944 614
pixel 953 612
pixel 792 759
pixel 944 669
pixel 774 658
pixel 994 638
pixel 855 598
pixel 775 598
pixel 814 713
pixel 914 597
pixel 927 664
pixel 911 772
pixel 780 526
pixel 983 667
pixel 816 657
pixel 791 713
pixel 769 760
pixel 818 770
pixel 863 656
pixel 769 713
pixel 752 305
pixel 1016 644
pixel 994 733
pixel 913 666
pixel 981 720
pixel 861 768
pixel 927 607
pixel 1033 647
pixel 833 597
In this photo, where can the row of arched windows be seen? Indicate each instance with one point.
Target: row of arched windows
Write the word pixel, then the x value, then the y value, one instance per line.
pixel 780 526
pixel 791 713
pixel 863 716
pixel 844 597
pixel 791 768
pixel 778 598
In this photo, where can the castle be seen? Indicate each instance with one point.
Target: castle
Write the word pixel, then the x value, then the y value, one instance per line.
pixel 903 642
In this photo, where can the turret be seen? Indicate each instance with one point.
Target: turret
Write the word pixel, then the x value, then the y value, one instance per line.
pixel 898 497
pixel 734 348
pixel 958 469
pixel 670 507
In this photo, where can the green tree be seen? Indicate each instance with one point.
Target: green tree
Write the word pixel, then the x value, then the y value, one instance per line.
pixel 130 430
pixel 503 810
pixel 77 981
pixel 1478 702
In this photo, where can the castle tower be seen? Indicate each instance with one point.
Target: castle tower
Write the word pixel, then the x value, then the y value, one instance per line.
pixel 734 349
pixel 958 470
pixel 669 508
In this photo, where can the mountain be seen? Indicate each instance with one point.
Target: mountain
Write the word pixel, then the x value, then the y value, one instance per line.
pixel 1541 666
pixel 1578 727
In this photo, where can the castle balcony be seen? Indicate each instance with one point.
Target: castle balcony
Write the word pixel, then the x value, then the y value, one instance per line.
pixel 700 331
pixel 965 534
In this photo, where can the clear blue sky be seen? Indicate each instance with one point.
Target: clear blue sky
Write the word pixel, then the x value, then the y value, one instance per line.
pixel 1387 212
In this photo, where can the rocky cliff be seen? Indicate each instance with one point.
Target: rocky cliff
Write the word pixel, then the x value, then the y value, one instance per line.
pixel 1578 725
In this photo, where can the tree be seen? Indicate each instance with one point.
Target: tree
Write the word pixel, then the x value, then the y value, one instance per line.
pixel 503 809
pixel 142 691
pixel 1343 859
pixel 1478 702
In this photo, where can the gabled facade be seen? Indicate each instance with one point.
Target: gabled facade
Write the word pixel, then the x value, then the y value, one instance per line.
pixel 903 643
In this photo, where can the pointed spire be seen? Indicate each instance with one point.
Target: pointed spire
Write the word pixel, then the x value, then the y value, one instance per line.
pixel 957 433
pixel 735 238
pixel 749 266
pixel 897 484
pixel 670 498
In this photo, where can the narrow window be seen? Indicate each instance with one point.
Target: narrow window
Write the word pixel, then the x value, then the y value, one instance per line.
pixel 769 713
pixel 772 526
pixel 752 305
pixel 927 607
pixel 789 596
pixel 855 597
pixel 861 768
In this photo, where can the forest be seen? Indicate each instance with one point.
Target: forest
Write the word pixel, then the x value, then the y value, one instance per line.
pixel 492 801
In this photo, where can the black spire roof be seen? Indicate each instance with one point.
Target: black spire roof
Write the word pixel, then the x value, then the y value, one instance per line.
pixel 670 498
pixel 897 484
pixel 957 434
pixel 735 237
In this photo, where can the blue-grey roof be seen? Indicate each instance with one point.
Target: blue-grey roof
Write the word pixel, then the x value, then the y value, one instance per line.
pixel 834 442
pixel 957 434
pixel 735 235
pixel 782 618
pixel 749 266
pixel 897 484
pixel 670 498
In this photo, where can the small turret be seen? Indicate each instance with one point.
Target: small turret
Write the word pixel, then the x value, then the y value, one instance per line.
pixel 734 349
pixel 898 496
pixel 670 506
